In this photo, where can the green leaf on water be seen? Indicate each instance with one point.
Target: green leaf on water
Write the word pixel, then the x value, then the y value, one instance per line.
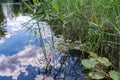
pixel 114 75
pixel 89 63
pixel 104 61
pixel 95 75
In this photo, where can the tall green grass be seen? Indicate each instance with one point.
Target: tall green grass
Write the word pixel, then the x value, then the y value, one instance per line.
pixel 93 23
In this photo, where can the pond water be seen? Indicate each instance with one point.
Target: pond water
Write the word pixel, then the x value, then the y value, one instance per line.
pixel 20 48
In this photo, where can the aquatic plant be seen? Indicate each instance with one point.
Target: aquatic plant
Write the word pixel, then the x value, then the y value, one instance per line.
pixel 98 68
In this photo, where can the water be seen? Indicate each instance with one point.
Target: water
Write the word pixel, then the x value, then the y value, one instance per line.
pixel 21 49
pixel 18 46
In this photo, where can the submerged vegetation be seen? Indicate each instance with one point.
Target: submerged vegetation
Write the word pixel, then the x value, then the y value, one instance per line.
pixel 90 25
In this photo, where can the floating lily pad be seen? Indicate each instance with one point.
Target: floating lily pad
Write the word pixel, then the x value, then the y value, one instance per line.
pixel 104 61
pixel 114 75
pixel 95 75
pixel 89 63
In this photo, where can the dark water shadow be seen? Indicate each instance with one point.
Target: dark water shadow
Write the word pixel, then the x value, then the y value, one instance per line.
pixel 68 66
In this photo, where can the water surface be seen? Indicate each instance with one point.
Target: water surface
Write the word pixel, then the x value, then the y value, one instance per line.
pixel 21 48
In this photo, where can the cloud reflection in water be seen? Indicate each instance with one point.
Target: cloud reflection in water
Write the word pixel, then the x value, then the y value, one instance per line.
pixel 13 65
pixel 17 63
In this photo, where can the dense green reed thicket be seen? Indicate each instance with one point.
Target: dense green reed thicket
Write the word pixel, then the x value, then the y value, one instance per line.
pixel 94 24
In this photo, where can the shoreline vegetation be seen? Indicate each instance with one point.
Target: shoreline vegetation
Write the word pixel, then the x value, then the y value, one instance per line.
pixel 92 26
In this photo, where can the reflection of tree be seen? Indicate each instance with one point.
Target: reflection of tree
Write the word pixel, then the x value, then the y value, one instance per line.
pixel 7 11
pixel 2 32
pixel 16 0
pixel 67 66
pixel 16 9
pixel 3 1
pixel 1 14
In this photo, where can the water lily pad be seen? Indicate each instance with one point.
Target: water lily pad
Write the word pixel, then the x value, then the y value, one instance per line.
pixel 114 75
pixel 89 63
pixel 104 61
pixel 95 75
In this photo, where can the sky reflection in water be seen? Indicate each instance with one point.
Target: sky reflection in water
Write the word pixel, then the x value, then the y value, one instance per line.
pixel 19 50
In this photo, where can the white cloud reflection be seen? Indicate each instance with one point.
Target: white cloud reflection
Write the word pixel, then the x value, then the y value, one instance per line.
pixel 17 23
pixel 31 55
pixel 14 65
pixel 14 24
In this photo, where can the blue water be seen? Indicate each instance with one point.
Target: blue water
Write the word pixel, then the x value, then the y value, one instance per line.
pixel 19 48
pixel 32 74
pixel 22 76
pixel 17 42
